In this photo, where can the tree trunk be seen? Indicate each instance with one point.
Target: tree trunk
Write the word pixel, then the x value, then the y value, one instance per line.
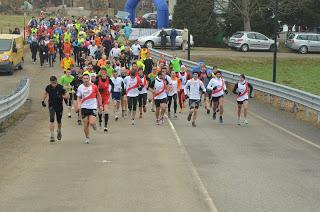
pixel 246 15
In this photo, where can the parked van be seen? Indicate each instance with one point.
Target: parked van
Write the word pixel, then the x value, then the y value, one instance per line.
pixel 11 52
pixel 304 42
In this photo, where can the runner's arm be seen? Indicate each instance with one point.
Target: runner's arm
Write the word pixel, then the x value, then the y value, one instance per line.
pixel 202 87
pixel 235 89
pixel 251 90
pixel 211 85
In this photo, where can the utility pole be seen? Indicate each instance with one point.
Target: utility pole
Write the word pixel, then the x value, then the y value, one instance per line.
pixel 276 29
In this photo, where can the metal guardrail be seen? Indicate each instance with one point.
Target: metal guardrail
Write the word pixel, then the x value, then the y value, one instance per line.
pixel 300 97
pixel 11 103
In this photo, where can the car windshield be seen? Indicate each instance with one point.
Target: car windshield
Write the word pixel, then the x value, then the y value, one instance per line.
pixel 237 35
pixel 5 44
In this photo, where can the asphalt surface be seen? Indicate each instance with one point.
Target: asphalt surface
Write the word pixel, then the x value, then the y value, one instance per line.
pixel 259 167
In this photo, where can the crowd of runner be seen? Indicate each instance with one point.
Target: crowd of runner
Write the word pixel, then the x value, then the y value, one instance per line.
pixel 105 74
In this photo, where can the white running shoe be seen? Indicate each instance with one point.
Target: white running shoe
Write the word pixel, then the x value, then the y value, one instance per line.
pixel 246 122
pixel 239 122
pixel 87 141
pixel 69 115
pixel 132 122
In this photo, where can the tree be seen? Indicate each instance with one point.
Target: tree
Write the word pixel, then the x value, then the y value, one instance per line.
pixel 199 17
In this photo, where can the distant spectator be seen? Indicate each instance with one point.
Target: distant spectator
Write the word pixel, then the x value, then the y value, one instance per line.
pixel 163 36
pixel 173 36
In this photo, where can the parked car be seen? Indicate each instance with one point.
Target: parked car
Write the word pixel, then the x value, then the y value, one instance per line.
pixel 154 40
pixel 11 52
pixel 303 42
pixel 246 41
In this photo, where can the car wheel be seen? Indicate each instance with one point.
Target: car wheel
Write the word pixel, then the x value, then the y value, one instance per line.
pixel 149 44
pixel 11 70
pixel 272 48
pixel 303 50
pixel 244 48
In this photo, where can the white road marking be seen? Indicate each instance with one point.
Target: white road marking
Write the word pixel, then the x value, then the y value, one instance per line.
pixel 194 172
pixel 282 129
pixel 104 161
pixel 285 130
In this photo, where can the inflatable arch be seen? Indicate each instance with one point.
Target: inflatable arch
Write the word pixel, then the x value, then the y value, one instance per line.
pixel 162 11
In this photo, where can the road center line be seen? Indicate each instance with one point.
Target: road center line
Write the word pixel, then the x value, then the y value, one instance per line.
pixel 282 129
pixel 194 172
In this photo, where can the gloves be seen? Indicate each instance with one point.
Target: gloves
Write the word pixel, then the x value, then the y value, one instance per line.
pixel 43 104
pixel 214 88
pixel 226 92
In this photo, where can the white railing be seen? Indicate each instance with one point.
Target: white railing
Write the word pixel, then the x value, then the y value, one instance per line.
pixel 11 103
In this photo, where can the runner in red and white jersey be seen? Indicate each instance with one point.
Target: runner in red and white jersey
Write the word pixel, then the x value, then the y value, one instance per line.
pixel 89 99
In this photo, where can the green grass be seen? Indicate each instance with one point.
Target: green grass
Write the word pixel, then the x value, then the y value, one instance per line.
pixel 11 21
pixel 303 74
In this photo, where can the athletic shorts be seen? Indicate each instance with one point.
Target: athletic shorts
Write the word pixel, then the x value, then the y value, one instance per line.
pixel 105 100
pixel 241 102
pixel 55 113
pixel 116 96
pixel 158 102
pixel 194 103
pixel 216 99
pixel 88 112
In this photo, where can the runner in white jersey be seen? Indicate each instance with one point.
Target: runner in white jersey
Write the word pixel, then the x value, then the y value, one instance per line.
pixel 218 87
pixel 115 52
pixel 116 87
pixel 244 90
pixel 193 89
pixel 89 99
pixel 143 92
pixel 132 84
pixel 159 87
pixel 173 90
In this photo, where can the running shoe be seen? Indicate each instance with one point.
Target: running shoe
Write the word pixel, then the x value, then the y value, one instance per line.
pixel 208 111
pixel 105 129
pixel 194 124
pixel 221 120
pixel 140 116
pixel 175 115
pixel 87 141
pixel 162 120
pixel 169 114
pixel 214 116
pixel 79 122
pixel 189 116
pixel 100 123
pixel 157 122
pixel 116 118
pixel 59 136
pixel 69 115
pixel 152 110
pixel 132 122
pixel 51 139
pixel 239 122
pixel 94 127
pixel 246 122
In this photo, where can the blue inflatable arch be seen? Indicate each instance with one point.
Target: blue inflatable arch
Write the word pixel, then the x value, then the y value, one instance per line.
pixel 162 11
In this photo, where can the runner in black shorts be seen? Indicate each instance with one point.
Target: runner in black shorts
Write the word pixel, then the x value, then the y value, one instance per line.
pixel 56 94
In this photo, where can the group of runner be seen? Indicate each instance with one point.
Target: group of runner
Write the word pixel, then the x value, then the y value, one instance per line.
pixel 107 67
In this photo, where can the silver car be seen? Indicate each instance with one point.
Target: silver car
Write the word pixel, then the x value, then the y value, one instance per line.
pixel 246 41
pixel 154 40
pixel 304 42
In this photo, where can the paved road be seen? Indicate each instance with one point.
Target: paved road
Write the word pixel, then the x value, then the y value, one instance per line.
pixel 168 168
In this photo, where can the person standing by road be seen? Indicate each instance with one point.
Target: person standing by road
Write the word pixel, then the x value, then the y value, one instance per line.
pixel 185 39
pixel 244 91
pixel 163 35
pixel 173 38
pixel 55 94
pixel 89 99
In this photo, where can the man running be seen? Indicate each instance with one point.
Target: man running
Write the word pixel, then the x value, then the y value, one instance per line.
pixel 193 90
pixel 132 84
pixel 173 90
pixel 56 94
pixel 89 99
pixel 65 81
pixel 159 87
pixel 143 93
pixel 104 86
pixel 218 87
pixel 184 77
pixel 244 90
pixel 116 87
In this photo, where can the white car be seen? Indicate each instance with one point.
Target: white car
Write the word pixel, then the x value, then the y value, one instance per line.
pixel 154 40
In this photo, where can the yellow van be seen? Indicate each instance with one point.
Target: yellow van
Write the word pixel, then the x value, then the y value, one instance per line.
pixel 11 52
